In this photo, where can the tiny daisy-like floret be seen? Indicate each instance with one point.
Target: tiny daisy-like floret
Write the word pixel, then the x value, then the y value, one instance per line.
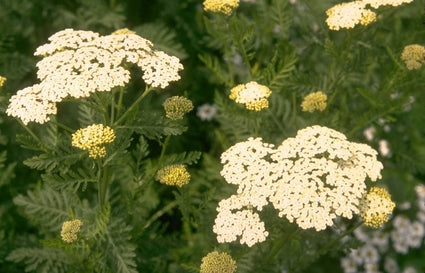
pixel 314 101
pixel 221 6
pixel 176 107
pixel 252 95
pixel 413 56
pixel 376 206
pixel 377 3
pixel 2 81
pixel 173 175
pixel 215 262
pixel 70 229
pixel 349 14
pixel 93 139
pixel 29 105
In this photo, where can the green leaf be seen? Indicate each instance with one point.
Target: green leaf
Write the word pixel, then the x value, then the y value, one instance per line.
pixel 51 161
pixel 46 207
pixel 120 252
pixel 70 180
pixel 182 158
pixel 156 126
pixel 43 260
pixel 163 38
pixel 214 64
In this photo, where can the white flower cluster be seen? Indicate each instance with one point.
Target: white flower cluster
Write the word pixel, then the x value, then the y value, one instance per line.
pixel 406 234
pixel 78 63
pixel 310 179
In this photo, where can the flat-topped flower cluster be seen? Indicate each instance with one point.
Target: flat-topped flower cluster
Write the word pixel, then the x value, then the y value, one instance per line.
pixel 77 63
pixel 310 179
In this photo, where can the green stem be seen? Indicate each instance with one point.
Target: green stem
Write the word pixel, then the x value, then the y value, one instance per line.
pixel 120 99
pixel 135 103
pixel 103 179
pixel 279 244
pixel 275 120
pixel 326 247
pixel 63 126
pixel 160 212
pixel 164 147
pixel 294 109
pixel 35 137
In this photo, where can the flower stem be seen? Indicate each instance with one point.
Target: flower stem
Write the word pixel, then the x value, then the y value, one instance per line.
pixel 279 244
pixel 164 147
pixel 135 103
pixel 35 137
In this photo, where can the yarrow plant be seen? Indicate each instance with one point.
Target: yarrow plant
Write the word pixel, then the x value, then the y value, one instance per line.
pixel 221 6
pixel 77 63
pixel 173 175
pixel 314 101
pixel 310 179
pixel 218 262
pixel 176 107
pixel 413 56
pixel 120 176
pixel 93 139
pixel 252 95
pixel 70 230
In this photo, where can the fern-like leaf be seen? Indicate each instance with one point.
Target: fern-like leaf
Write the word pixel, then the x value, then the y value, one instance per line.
pixel 155 126
pixel 70 180
pixel 43 260
pixel 182 158
pixel 163 38
pixel 46 207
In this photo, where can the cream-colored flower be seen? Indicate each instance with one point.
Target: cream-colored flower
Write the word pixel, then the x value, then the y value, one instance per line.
pixel 176 107
pixel 221 6
pixel 252 95
pixel 236 219
pixel 70 229
pixel 314 101
pixel 78 63
pixel 173 175
pixel 310 179
pixel 413 56
pixel 377 3
pixel 29 105
pixel 215 262
pixel 376 206
pixel 93 139
pixel 349 14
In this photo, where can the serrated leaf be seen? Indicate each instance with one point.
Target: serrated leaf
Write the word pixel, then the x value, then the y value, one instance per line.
pixel 155 127
pixel 182 158
pixel 43 260
pixel 46 207
pixel 163 38
pixel 50 162
pixel 70 180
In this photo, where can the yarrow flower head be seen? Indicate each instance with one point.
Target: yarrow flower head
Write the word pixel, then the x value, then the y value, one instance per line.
pixel 252 95
pixel 413 56
pixel 173 175
pixel 176 107
pixel 206 111
pixel 78 63
pixel 215 262
pixel 349 14
pixel 93 139
pixel 70 230
pixel 314 101
pixel 376 206
pixel 377 3
pixel 221 6
pixel 2 81
pixel 310 179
